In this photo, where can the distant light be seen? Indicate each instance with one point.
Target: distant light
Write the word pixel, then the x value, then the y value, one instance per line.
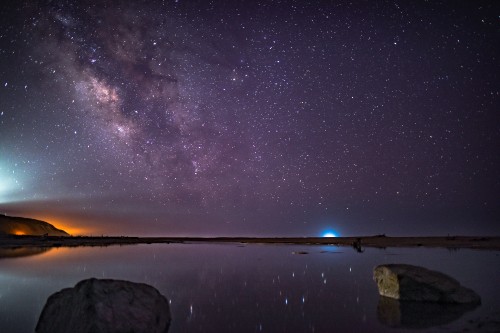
pixel 329 234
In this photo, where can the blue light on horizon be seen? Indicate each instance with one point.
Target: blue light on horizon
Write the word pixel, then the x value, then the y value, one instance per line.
pixel 329 233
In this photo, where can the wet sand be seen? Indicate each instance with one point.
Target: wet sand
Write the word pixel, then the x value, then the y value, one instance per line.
pixel 358 243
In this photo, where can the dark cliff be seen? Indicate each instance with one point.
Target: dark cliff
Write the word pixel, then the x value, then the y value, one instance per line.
pixel 11 225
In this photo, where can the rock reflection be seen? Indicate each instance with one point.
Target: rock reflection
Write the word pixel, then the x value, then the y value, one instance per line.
pixel 418 315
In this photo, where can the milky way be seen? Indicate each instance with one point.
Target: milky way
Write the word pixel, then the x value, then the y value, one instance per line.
pixel 198 117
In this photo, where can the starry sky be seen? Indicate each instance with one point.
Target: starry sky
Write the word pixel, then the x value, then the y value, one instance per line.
pixel 251 117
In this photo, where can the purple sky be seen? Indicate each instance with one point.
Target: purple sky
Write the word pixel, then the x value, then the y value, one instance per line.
pixel 252 118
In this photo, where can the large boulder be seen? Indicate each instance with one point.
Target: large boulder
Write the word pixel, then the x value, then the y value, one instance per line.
pixel 111 306
pixel 413 283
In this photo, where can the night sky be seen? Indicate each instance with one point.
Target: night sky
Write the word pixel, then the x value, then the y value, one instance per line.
pixel 252 117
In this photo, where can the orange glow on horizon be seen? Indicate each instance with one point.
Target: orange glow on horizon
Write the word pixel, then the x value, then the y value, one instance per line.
pixel 19 233
pixel 70 227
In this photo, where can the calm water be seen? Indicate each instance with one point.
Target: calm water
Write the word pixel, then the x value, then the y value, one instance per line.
pixel 253 288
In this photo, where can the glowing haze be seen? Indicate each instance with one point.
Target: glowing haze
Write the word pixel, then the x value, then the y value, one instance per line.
pixel 251 118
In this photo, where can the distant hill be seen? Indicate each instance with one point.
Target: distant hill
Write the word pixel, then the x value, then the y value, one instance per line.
pixel 12 225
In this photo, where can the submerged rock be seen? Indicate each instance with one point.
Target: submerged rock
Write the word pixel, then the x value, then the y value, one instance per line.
pixel 112 306
pixel 413 283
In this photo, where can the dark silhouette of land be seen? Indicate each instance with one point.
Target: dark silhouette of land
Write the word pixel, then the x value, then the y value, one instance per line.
pixel 14 225
pixel 42 235
pixel 358 243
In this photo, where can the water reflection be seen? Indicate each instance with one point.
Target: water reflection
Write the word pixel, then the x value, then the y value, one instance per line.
pixel 419 315
pixel 22 252
pixel 256 288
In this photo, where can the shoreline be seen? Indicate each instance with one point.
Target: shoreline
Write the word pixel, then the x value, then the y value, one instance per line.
pixel 358 243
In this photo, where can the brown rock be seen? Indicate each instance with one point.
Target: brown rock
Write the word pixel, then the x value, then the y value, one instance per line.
pixel 413 283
